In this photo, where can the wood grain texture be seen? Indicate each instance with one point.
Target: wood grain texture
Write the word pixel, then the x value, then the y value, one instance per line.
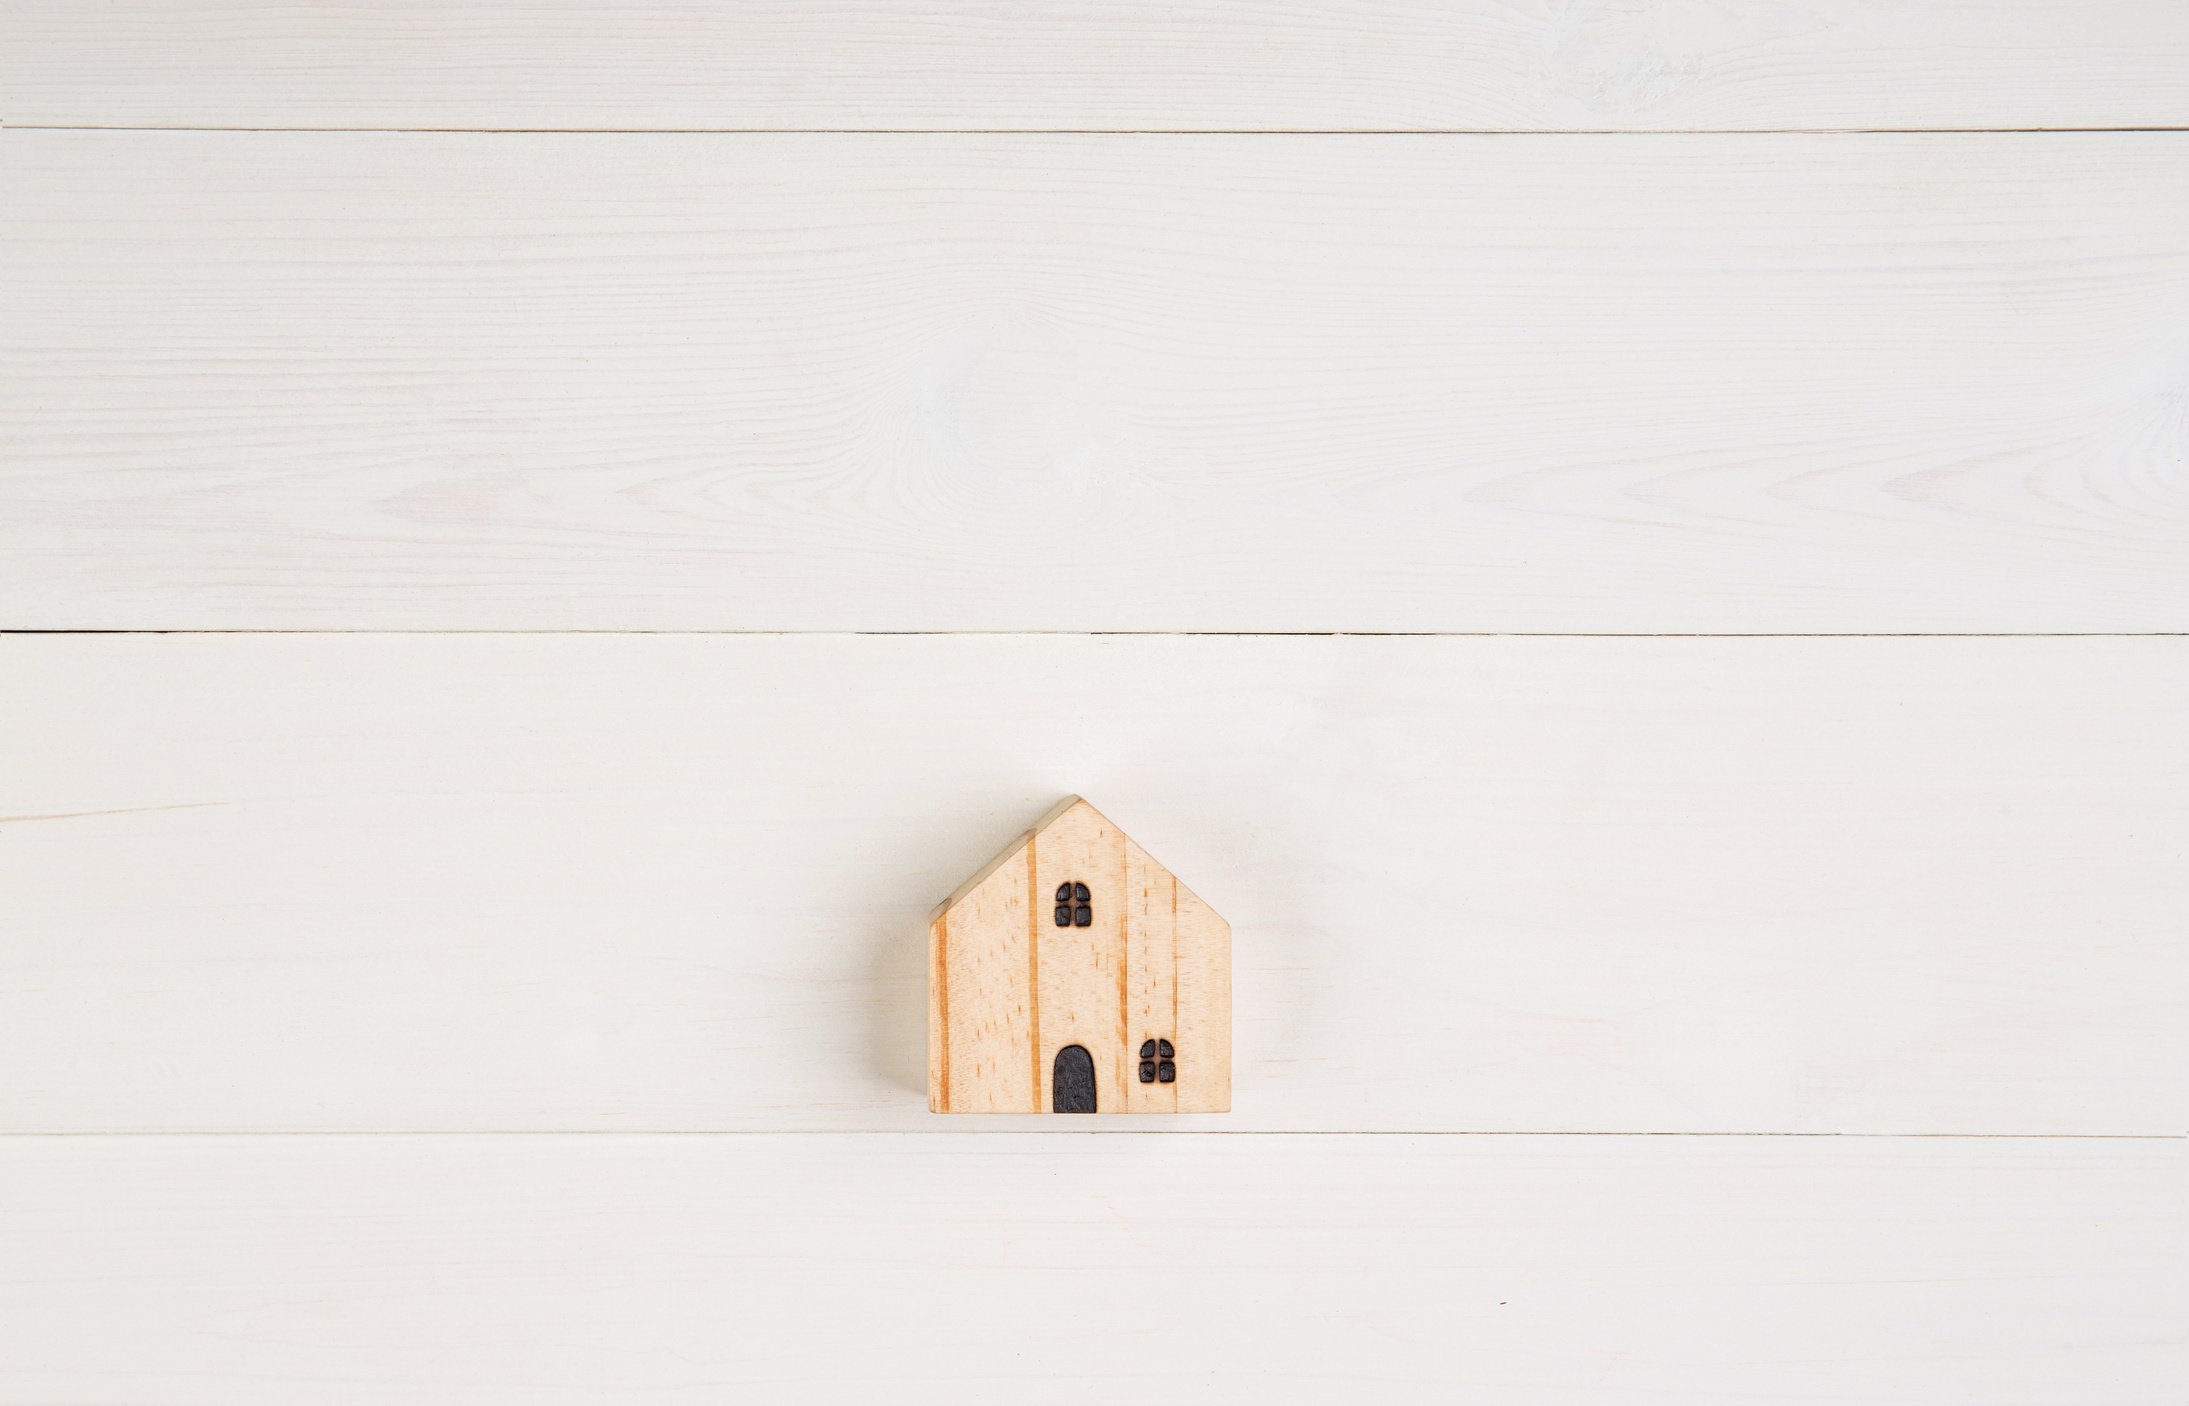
pixel 1010 1268
pixel 1793 383
pixel 415 882
pixel 976 64
pixel 1010 984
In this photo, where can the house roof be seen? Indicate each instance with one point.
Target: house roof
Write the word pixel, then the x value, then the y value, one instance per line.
pixel 1058 812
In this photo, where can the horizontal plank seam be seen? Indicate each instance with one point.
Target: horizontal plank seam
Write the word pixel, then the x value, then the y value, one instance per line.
pixel 1004 1129
pixel 1115 131
pixel 1215 634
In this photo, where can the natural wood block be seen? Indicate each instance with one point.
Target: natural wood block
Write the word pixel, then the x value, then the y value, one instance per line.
pixel 1075 974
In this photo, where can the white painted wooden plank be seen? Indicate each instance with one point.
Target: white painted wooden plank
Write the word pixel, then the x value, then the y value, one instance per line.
pixel 1005 1269
pixel 1050 383
pixel 663 882
pixel 978 64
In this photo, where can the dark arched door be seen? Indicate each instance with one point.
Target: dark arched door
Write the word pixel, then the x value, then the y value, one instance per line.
pixel 1072 1085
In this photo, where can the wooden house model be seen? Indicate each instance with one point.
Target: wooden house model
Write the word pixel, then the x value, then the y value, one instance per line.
pixel 1075 974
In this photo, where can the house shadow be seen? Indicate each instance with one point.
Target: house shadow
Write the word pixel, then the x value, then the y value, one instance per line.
pixel 896 1033
pixel 895 969
pixel 948 850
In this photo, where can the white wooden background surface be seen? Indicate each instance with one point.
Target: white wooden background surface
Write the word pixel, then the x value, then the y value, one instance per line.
pixel 1696 498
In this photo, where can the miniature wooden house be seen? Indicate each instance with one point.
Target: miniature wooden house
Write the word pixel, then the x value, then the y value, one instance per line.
pixel 1074 974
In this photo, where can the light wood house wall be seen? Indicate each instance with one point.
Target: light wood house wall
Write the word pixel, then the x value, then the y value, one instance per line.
pixel 1076 936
